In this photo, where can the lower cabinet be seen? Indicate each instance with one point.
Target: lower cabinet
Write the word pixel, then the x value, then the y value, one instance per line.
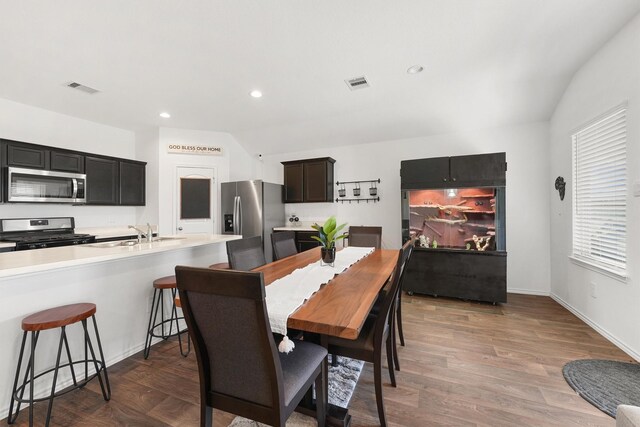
pixel 102 181
pixel 304 241
pixel 469 275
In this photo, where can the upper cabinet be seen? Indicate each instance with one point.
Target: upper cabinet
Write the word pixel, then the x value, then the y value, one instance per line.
pixel 25 156
pixel 66 161
pixel 132 183
pixel 308 181
pixel 480 170
pixel 110 181
pixel 102 181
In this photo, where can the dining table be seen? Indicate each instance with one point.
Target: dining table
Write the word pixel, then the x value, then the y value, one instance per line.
pixel 341 306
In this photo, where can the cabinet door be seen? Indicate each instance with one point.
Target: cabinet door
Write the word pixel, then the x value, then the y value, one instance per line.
pixel 315 181
pixel 26 157
pixel 425 173
pixel 482 170
pixel 102 181
pixel 304 241
pixel 293 183
pixel 67 162
pixel 132 184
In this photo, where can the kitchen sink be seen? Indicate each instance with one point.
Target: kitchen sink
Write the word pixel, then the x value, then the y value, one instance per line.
pixel 119 243
pixel 164 239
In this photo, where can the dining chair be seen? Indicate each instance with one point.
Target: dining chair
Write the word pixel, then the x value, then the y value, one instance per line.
pixel 245 254
pixel 365 237
pixel 284 244
pixel 408 246
pixel 240 368
pixel 374 334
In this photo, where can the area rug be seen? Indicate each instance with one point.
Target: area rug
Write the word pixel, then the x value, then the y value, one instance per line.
pixel 343 379
pixel 604 383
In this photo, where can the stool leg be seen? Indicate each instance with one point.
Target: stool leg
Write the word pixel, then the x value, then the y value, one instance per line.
pixel 55 377
pixel 106 392
pixel 32 364
pixel 25 381
pixel 11 419
pixel 66 345
pixel 174 315
pixel 162 314
pixel 152 323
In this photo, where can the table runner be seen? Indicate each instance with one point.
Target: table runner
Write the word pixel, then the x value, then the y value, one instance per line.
pixel 285 295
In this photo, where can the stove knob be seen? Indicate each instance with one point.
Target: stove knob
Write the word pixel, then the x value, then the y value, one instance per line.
pixel 32 246
pixel 42 245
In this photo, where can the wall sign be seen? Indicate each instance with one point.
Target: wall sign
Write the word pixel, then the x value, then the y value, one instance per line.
pixel 194 149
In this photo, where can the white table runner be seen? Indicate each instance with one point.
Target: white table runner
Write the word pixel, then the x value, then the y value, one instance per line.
pixel 286 294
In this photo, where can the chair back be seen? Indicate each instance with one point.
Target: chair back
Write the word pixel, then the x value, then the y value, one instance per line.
pixel 238 363
pixel 246 254
pixel 365 237
pixel 284 244
pixel 388 302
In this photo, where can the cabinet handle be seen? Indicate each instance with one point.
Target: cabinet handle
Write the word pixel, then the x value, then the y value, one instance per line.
pixel 444 179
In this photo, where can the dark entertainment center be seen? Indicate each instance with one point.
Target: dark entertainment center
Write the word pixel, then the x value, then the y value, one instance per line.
pixel 454 208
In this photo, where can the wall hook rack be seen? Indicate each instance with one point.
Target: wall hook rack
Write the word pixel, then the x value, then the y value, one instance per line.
pixel 339 183
pixel 368 199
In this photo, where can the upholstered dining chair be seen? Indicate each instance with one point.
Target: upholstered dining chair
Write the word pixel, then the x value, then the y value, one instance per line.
pixel 284 244
pixel 240 368
pixel 245 254
pixel 374 334
pixel 365 237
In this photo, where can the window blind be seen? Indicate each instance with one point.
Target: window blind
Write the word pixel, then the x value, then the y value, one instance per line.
pixel 600 192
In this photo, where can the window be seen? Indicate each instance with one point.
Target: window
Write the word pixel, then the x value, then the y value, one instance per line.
pixel 600 193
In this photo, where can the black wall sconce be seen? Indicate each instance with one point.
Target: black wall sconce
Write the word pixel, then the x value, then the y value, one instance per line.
pixel 560 185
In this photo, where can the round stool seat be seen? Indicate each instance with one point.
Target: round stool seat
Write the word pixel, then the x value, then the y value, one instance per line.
pixel 220 266
pixel 58 316
pixel 167 282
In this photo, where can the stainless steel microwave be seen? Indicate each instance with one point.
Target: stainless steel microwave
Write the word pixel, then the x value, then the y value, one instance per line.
pixel 33 185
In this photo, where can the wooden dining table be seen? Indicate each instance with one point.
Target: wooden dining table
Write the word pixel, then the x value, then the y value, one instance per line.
pixel 341 306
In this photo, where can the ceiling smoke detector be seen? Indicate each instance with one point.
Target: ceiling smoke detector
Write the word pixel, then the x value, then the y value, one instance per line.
pixel 82 88
pixel 357 83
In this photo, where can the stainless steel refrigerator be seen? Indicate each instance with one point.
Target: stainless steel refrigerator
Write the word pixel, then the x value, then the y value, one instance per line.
pixel 252 208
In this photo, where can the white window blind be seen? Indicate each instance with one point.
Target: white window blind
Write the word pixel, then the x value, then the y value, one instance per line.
pixel 600 193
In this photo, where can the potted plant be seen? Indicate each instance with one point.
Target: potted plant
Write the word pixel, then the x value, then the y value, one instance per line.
pixel 327 236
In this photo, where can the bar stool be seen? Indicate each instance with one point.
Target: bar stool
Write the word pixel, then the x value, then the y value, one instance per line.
pixel 159 286
pixel 58 317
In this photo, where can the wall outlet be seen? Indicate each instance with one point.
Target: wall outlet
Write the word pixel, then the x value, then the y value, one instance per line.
pixel 592 290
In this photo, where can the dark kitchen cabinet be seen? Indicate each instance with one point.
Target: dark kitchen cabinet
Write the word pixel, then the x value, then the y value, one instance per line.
pixel 67 162
pixel 293 183
pixel 102 181
pixel 309 181
pixel 304 241
pixel 132 183
pixel 480 170
pixel 24 156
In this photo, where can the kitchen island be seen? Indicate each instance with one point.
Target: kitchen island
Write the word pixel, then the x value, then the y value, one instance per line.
pixel 114 277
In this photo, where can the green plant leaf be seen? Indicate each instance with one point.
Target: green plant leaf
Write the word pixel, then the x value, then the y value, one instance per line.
pixel 318 239
pixel 330 225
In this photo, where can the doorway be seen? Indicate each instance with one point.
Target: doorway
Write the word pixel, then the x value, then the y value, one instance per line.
pixel 195 196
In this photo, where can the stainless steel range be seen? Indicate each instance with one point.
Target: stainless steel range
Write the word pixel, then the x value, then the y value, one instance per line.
pixel 37 233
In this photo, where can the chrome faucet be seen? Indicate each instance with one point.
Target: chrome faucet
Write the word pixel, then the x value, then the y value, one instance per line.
pixel 147 235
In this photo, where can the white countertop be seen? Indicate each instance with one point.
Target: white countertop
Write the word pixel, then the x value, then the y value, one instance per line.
pixel 25 262
pixel 294 228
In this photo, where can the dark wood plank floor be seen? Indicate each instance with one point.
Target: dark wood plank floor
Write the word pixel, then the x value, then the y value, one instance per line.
pixel 465 364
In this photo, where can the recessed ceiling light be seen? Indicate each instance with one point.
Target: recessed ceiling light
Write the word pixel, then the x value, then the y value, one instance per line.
pixel 256 94
pixel 415 69
pixel 165 115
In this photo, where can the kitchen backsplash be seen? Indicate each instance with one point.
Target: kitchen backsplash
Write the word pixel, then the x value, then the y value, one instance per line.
pixel 310 213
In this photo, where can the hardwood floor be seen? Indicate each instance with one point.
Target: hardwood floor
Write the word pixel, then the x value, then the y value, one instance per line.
pixel 465 364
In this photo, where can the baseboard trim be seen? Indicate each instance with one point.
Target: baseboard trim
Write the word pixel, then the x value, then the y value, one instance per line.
pixel 528 292
pixel 599 329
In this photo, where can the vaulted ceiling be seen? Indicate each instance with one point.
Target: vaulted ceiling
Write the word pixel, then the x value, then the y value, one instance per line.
pixel 486 63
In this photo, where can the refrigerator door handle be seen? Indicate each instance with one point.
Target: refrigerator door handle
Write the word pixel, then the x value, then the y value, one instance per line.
pixel 235 215
pixel 240 214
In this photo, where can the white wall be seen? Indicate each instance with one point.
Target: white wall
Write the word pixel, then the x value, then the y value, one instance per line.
pixel 527 190
pixel 610 77
pixel 34 125
pixel 234 165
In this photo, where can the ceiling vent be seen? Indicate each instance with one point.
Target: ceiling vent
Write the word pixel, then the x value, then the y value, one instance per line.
pixel 82 88
pixel 357 83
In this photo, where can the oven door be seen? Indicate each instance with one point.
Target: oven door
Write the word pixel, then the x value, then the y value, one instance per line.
pixel 32 185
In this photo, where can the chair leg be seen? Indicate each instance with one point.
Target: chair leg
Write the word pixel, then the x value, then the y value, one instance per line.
pixel 206 415
pixel 152 321
pixel 321 397
pixel 394 344
pixel 377 379
pixel 390 346
pixel 399 319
